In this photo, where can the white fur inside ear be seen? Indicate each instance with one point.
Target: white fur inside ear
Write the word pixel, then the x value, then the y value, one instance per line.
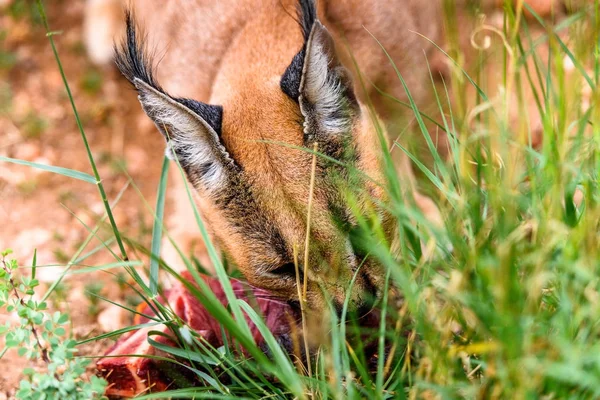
pixel 320 86
pixel 196 155
pixel 189 138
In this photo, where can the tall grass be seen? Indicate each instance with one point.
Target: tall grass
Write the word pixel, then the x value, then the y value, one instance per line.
pixel 502 302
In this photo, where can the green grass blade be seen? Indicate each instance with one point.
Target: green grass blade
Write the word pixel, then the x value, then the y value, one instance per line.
pixel 97 180
pixel 34 264
pixel 133 311
pixel 565 48
pixel 119 332
pixel 432 148
pixel 157 227
pixel 179 352
pixel 190 393
pixel 104 267
pixel 70 173
pixel 287 372
pixel 95 250
pixel 76 257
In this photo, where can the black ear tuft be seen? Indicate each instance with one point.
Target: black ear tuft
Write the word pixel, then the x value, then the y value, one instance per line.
pixel 132 57
pixel 307 15
pixel 135 62
pixel 290 80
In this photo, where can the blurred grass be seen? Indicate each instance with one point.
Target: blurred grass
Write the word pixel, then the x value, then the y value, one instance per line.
pixel 512 311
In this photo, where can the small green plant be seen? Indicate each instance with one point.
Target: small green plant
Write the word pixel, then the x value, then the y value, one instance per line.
pixel 20 9
pixel 40 335
pixel 91 81
pixel 6 97
pixel 92 293
pixel 27 187
pixel 60 255
pixel 121 279
pixel 60 293
pixel 33 125
pixel 8 59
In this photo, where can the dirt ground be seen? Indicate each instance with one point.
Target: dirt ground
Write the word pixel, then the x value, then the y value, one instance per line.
pixel 47 212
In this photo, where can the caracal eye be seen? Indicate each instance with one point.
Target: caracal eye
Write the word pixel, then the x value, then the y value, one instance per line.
pixel 287 270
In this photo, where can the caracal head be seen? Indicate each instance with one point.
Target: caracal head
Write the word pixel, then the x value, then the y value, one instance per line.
pixel 247 158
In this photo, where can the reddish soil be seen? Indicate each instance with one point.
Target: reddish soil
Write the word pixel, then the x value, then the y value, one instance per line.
pixel 45 211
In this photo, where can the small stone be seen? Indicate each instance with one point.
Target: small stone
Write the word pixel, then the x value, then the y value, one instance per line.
pixel 49 274
pixel 97 208
pixel 13 176
pixel 112 318
pixel 31 239
pixel 27 151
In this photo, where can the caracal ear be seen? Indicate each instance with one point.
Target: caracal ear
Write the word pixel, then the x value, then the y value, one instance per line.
pixel 321 85
pixel 190 127
pixel 327 98
pixel 190 138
